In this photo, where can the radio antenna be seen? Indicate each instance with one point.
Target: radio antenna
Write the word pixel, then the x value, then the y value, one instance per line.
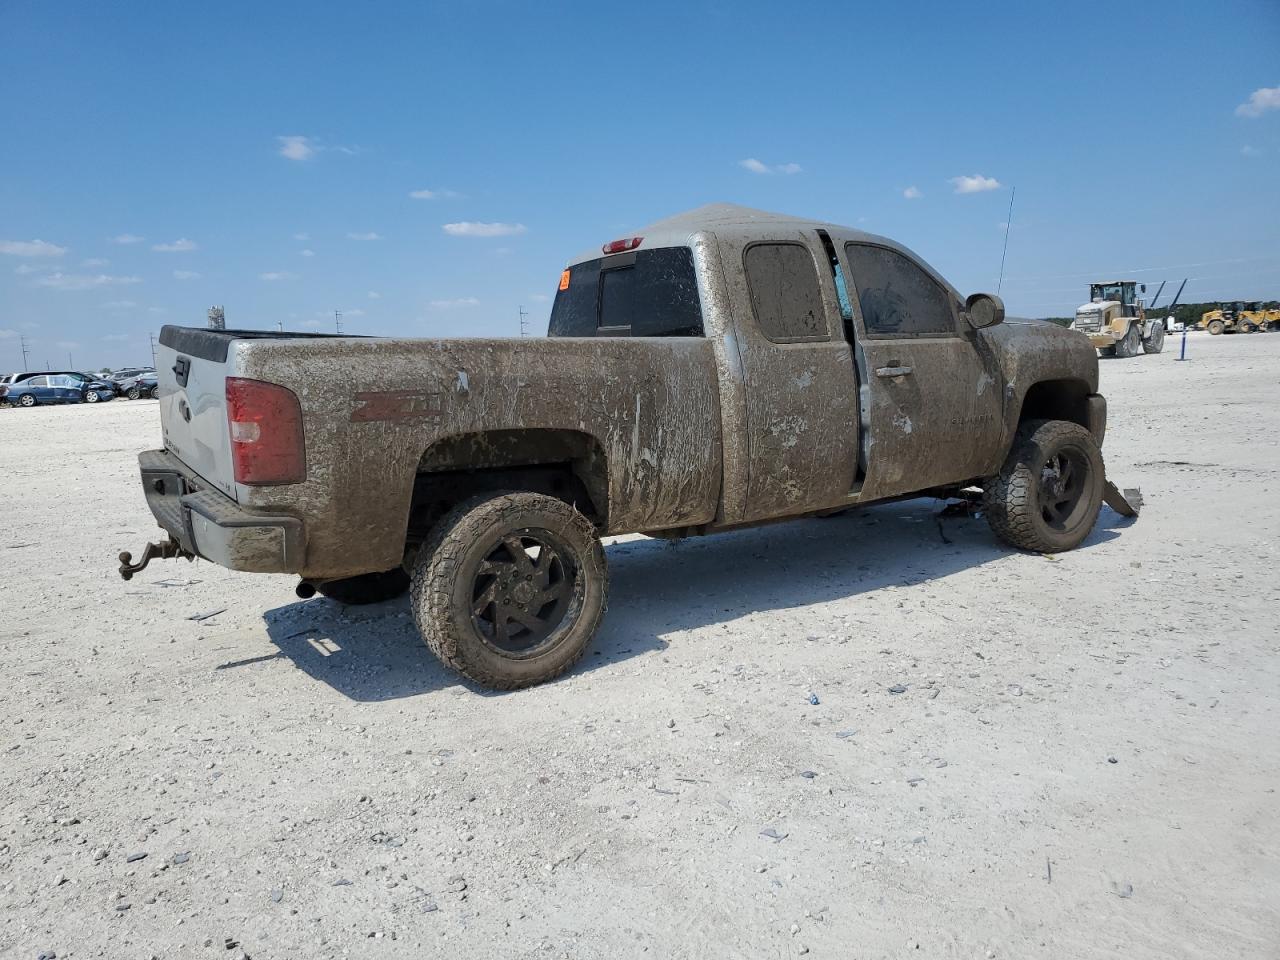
pixel 1008 225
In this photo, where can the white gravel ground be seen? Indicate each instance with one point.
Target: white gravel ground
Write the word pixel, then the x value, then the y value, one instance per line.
pixel 1084 761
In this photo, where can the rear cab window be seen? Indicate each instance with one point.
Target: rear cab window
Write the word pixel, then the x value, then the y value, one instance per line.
pixel 645 293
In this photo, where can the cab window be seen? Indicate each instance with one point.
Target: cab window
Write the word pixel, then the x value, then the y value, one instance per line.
pixel 647 293
pixel 898 298
pixel 786 299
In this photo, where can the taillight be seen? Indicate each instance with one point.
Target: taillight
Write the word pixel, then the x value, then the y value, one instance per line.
pixel 621 246
pixel 265 421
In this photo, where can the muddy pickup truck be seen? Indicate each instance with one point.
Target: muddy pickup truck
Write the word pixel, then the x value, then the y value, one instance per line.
pixel 719 369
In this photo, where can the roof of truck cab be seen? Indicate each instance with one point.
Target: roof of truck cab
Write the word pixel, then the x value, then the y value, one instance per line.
pixel 733 222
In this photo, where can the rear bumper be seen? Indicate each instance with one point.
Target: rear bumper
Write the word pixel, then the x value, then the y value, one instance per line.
pixel 1096 411
pixel 212 525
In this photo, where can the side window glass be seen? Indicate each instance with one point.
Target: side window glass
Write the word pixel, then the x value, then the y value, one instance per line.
pixel 896 296
pixel 785 296
pixel 39 381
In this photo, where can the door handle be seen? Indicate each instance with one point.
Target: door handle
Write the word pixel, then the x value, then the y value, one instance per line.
pixel 894 371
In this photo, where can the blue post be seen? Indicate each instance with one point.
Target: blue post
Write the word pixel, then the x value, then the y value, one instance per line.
pixel 1183 355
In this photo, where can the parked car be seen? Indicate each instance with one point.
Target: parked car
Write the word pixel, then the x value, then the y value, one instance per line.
pixel 43 388
pixel 126 374
pixel 721 369
pixel 140 387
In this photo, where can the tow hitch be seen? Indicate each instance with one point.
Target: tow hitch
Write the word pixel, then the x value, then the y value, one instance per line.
pixel 152 551
pixel 1126 504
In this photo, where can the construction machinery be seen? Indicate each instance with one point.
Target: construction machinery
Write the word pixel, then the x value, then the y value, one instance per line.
pixel 1239 316
pixel 1115 319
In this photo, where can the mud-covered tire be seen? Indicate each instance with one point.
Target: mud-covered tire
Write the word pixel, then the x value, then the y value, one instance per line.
pixel 1130 343
pixel 366 588
pixel 1155 342
pixel 1216 327
pixel 1019 502
pixel 462 566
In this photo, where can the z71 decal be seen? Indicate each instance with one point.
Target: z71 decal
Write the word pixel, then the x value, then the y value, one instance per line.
pixel 396 405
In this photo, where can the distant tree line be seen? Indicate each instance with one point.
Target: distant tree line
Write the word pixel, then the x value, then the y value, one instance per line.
pixel 1186 313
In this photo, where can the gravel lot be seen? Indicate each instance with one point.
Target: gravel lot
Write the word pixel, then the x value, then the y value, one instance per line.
pixel 1083 762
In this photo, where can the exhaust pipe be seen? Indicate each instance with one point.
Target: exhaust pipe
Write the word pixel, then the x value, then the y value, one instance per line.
pixel 305 589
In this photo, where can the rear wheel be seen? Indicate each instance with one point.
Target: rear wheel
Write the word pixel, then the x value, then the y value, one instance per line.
pixel 1047 496
pixel 1216 327
pixel 1248 327
pixel 1155 342
pixel 1128 345
pixel 366 588
pixel 510 588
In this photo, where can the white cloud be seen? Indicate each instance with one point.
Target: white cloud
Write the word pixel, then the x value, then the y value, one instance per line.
pixel 1259 102
pixel 1249 151
pixel 912 193
pixel 82 281
pixel 470 229
pixel 23 269
pixel 67 344
pixel 181 245
pixel 306 253
pixel 974 184
pixel 124 239
pixel 120 305
pixel 276 275
pixel 363 236
pixel 756 166
pixel 452 304
pixel 374 295
pixel 296 148
pixel 432 194
pixel 302 236
pixel 117 337
pixel 539 297
pixel 94 262
pixel 185 275
pixel 8 334
pixel 156 310
pixel 31 248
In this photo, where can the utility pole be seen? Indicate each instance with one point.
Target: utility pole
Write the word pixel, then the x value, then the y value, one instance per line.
pixel 152 337
pixel 217 318
pixel 280 325
pixel 524 326
pixel 70 363
pixel 25 351
pixel 337 320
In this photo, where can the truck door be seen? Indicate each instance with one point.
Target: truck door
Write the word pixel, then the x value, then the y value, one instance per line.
pixel 935 388
pixel 801 390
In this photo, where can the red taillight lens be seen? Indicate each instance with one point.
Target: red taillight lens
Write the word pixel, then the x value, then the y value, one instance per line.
pixel 621 246
pixel 265 421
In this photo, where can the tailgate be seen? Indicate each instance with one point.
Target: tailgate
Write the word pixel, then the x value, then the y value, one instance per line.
pixel 192 366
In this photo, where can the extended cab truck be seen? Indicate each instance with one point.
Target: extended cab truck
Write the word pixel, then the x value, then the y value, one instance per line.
pixel 723 368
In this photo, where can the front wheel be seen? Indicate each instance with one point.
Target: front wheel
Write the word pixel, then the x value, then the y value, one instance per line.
pixel 1128 345
pixel 26 400
pixel 1047 496
pixel 1155 342
pixel 510 588
pixel 91 396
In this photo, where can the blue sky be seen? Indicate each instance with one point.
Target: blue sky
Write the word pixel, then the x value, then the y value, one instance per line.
pixel 265 156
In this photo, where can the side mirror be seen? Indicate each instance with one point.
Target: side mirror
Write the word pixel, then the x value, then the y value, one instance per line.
pixel 984 310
